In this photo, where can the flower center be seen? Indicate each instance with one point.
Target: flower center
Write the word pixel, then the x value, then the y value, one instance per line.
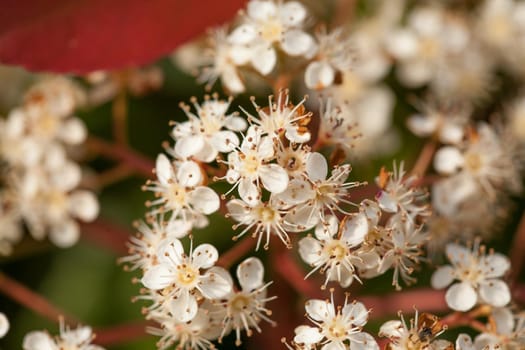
pixel 429 48
pixel 473 162
pixel 336 250
pixel 187 276
pixel 266 214
pixel 272 31
pixel 250 165
pixel 176 196
pixel 335 329
pixel 239 303
pixel 47 126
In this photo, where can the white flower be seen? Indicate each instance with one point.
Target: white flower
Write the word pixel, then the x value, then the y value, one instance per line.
pixel 478 274
pixel 224 61
pixel 421 333
pixel 282 117
pixel 267 23
pixel 250 164
pixel 180 276
pixel 203 136
pixel 178 190
pixel 4 325
pixel 78 339
pixel 334 57
pixel 196 333
pixel 317 192
pixel 246 308
pixel 261 218
pixel 336 326
pixel 400 194
pixel 333 250
pixel 402 249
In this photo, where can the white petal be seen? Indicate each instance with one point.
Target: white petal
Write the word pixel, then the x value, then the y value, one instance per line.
pixel 391 329
pixel 163 169
pixel 325 231
pixel 334 345
pixel 448 160
pixel 486 341
pixel 442 277
pixel 157 277
pixel 316 167
pixel 357 312
pixel 298 191
pixel 73 131
pixel 171 252
pixel 38 341
pixel 204 200
pixel 372 211
pixel 84 205
pixel 235 123
pixel 264 59
pixel 243 34
pixel 402 44
pixel 319 75
pixel 249 192
pixel 265 148
pixel 307 335
pixel 213 285
pixel 184 307
pixel 494 292
pixel 464 342
pixel 189 146
pixel 387 202
pixel 363 341
pixel 415 73
pixel 451 133
pixel 65 234
pixel 292 13
pixel 4 325
pixel 355 229
pixel 250 274
pixel 274 178
pixel 422 125
pixel 237 209
pixel 231 80
pixel 261 10
pixel 504 319
pixel 317 309
pixel 204 256
pixel 494 265
pixel 310 250
pixel 224 141
pixel 189 174
pixel 296 42
pixel 461 297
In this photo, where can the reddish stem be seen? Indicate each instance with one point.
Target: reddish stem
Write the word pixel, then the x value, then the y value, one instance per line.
pixel 32 300
pixel 139 163
pixel 107 234
pixel 122 333
pixel 517 258
pixel 236 252
pixel 424 159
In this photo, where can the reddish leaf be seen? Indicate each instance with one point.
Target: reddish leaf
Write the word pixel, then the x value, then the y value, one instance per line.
pixel 85 35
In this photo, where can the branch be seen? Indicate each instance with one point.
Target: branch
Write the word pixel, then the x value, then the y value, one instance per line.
pixel 108 235
pixel 236 252
pixel 139 163
pixel 32 300
pixel 122 333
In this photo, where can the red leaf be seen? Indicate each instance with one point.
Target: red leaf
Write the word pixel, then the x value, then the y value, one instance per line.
pixel 80 36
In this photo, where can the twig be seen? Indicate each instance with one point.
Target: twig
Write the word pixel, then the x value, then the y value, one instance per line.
pixel 32 300
pixel 517 258
pixel 108 235
pixel 237 251
pixel 120 334
pixel 135 161
pixel 424 159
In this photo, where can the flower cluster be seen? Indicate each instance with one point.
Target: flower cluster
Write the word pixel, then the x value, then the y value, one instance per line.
pixel 40 180
pixel 79 338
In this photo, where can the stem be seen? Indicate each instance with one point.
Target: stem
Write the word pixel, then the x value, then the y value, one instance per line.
pixel 32 300
pixel 120 109
pixel 108 235
pixel 517 258
pixel 458 319
pixel 236 252
pixel 135 161
pixel 119 334
pixel 424 159
pixel 344 12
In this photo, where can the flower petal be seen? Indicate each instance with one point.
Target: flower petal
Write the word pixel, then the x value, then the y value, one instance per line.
pixel 204 256
pixel 213 285
pixel 274 178
pixel 157 277
pixel 318 309
pixel 250 274
pixel 355 229
pixel 442 277
pixel 494 292
pixel 163 169
pixel 295 42
pixel 316 167
pixel 356 312
pixel 204 200
pixel 184 307
pixel 461 297
pixel 264 59
pixel 310 250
